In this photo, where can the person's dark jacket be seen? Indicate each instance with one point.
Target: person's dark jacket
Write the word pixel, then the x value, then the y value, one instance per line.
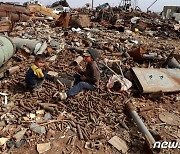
pixel 31 79
pixel 92 74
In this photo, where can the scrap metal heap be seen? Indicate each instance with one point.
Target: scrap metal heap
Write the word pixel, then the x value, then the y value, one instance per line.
pixel 140 47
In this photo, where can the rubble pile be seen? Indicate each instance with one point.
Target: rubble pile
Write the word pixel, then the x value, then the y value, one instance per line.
pixel 93 121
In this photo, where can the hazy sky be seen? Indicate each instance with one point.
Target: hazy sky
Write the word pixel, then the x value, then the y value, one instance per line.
pixel 143 4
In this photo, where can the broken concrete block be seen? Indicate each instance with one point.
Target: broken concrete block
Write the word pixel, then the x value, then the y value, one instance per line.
pixel 37 128
pixel 2 123
pixel 19 135
pixel 41 148
pixel 51 73
pixel 118 144
pixel 13 70
pixel 3 140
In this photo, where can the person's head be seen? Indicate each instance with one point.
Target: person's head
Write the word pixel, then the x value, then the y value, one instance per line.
pixel 90 55
pixel 40 61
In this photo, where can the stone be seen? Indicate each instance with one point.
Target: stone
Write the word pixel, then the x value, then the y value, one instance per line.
pixel 41 148
pixel 19 135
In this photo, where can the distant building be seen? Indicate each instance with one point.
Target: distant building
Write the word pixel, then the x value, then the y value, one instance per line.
pixel 60 6
pixel 103 6
pixel 13 3
pixel 171 12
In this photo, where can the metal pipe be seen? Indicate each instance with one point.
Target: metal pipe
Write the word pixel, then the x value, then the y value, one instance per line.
pixel 7 49
pixel 173 63
pixel 149 138
pixel 151 5
pixel 92 4
pixel 31 44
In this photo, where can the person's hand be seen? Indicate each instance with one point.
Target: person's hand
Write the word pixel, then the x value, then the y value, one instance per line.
pixel 83 78
pixel 78 68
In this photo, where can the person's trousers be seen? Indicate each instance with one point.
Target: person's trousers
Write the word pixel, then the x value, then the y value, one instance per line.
pixel 38 85
pixel 80 87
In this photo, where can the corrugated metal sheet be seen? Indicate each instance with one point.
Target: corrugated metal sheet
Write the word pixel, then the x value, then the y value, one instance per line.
pixel 155 80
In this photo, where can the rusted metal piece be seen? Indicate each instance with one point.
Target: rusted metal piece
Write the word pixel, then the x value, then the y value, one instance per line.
pixel 137 53
pixel 6 26
pixel 63 20
pixel 85 136
pixel 14 12
pixel 14 8
pixel 97 137
pixel 141 26
pixel 146 108
pixel 79 132
pixel 73 141
pixel 80 21
pixel 80 149
pixel 69 141
pixel 72 124
pixel 25 107
pixel 155 80
pixel 19 111
pixel 63 105
pixel 149 138
pixel 50 109
pixel 17 114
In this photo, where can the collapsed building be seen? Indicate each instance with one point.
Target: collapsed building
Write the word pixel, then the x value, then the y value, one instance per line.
pixel 171 12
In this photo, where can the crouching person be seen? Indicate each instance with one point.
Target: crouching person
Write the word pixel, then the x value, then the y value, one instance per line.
pixel 90 79
pixel 35 76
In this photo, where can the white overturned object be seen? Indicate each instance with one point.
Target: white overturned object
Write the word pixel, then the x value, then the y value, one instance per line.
pixel 5 97
pixel 125 83
pixel 77 61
